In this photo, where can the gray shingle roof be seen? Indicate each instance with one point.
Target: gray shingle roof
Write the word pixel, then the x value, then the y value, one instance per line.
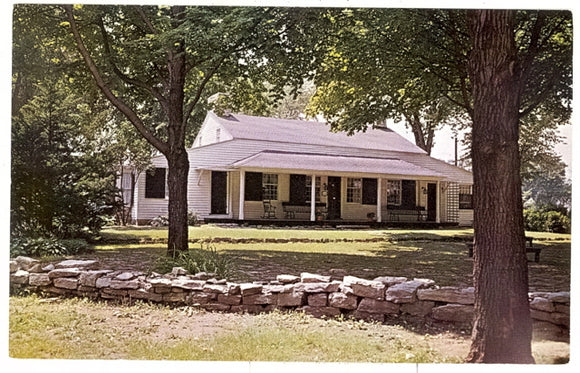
pixel 313 133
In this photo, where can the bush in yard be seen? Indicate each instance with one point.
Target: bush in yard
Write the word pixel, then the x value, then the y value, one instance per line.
pixel 541 220
pixel 160 221
pixel 205 259
pixel 41 246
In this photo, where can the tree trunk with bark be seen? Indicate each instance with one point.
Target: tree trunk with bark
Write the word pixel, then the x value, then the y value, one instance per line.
pixel 502 328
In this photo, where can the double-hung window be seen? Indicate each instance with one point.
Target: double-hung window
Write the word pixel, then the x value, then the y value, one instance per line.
pixel 465 197
pixel 270 187
pixel 354 190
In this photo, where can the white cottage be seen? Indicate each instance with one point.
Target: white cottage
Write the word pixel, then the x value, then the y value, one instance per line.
pixel 245 168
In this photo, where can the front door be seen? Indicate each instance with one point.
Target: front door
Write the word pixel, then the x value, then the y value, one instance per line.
pixel 219 192
pixel 333 197
pixel 431 202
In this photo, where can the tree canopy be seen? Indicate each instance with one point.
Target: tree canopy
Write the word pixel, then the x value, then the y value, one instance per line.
pixel 410 64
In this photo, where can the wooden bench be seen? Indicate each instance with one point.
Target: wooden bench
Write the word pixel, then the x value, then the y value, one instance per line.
pixel 529 249
pixel 291 209
pixel 395 215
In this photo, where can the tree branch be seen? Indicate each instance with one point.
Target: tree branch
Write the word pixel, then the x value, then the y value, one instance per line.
pixel 103 87
pixel 124 77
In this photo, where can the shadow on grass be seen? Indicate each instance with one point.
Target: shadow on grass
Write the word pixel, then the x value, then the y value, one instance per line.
pixel 444 262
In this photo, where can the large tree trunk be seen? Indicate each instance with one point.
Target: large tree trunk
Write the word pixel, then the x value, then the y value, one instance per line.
pixel 177 182
pixel 502 328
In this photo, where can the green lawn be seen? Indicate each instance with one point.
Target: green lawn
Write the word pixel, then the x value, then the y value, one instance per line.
pixel 439 254
pixel 209 231
pixel 81 329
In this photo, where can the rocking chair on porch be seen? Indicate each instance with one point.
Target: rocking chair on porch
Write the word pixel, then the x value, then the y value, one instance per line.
pixel 269 210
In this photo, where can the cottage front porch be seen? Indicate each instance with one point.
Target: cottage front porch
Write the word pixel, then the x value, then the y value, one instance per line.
pixel 343 191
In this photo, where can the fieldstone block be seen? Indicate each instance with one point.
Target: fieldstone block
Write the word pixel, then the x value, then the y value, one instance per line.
pixel 362 315
pixel 117 284
pixel 174 297
pixel 344 301
pixel 217 289
pixel 287 279
pixel 200 298
pixel 232 300
pixel 115 292
pixel 178 271
pixel 39 279
pixel 377 306
pixel 89 278
pixel 25 263
pixel 290 299
pixel 66 282
pixel 64 272
pixel 454 313
pixel 288 288
pixel 233 288
pixel 363 288
pixel 36 268
pixel 125 276
pixel 265 298
pixel 311 277
pixel 48 268
pixel 250 289
pixel 319 312
pixel 102 282
pixel 84 264
pixel 419 308
pixel 317 287
pixel 187 284
pixel 318 300
pixel 19 277
pixel 390 280
pixel 448 294
pixel 13 266
pixel 542 304
pixel 404 292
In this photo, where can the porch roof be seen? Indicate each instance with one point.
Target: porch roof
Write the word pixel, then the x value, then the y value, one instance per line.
pixel 333 163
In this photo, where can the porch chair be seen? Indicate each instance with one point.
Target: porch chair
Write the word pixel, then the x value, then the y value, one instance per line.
pixel 269 210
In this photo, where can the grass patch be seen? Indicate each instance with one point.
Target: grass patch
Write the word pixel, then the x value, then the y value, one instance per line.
pixel 81 329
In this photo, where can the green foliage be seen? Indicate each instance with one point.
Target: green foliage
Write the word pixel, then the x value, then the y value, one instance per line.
pixel 46 246
pixel 160 221
pixel 205 259
pixel 541 220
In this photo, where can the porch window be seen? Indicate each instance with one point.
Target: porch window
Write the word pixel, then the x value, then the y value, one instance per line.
pixel 155 183
pixel 354 190
pixel 316 189
pixel 270 187
pixel 394 192
pixel 465 197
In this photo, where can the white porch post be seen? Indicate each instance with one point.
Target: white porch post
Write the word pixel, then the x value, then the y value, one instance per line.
pixel 379 201
pixel 242 194
pixel 313 199
pixel 438 203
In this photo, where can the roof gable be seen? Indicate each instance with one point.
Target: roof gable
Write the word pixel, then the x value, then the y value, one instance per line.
pixel 313 133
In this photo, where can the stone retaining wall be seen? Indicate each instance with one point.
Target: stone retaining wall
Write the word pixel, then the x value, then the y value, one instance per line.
pixel 339 294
